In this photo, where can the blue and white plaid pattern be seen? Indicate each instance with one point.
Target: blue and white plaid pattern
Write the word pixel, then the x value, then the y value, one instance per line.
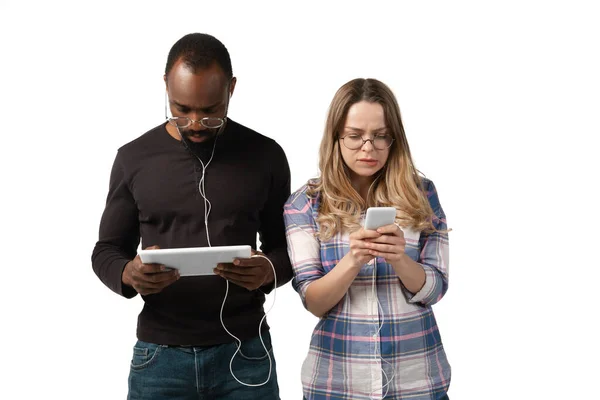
pixel 357 339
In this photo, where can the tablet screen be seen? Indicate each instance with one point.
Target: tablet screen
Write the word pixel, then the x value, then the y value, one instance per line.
pixel 193 261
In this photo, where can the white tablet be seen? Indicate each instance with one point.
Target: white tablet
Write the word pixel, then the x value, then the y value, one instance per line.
pixel 192 261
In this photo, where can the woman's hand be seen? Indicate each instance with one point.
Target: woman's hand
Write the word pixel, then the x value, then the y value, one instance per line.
pixel 360 242
pixel 389 244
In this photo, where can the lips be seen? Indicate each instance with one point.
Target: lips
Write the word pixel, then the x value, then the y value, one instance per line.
pixel 368 161
pixel 198 137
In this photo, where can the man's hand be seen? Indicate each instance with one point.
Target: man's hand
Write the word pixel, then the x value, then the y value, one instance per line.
pixel 250 273
pixel 148 278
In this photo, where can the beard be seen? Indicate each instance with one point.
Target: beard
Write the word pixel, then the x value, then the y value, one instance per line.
pixel 201 149
pixel 199 137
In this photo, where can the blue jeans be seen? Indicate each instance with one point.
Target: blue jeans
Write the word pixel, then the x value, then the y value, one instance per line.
pixel 160 372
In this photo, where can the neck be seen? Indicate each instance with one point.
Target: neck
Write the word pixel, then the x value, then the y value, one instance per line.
pixel 171 130
pixel 362 184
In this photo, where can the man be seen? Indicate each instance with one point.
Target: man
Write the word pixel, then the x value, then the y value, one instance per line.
pixel 199 179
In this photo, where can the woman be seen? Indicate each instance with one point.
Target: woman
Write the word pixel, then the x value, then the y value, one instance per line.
pixel 372 289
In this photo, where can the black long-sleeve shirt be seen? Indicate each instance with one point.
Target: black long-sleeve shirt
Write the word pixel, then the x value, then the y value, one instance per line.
pixel 154 196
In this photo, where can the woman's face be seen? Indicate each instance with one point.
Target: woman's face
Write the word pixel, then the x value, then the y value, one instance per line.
pixel 365 121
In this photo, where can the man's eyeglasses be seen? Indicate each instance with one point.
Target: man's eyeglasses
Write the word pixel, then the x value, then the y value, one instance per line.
pixel 207 122
pixel 184 122
pixel 379 142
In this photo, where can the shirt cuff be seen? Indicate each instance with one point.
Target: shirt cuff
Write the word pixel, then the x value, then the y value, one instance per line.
pixel 427 292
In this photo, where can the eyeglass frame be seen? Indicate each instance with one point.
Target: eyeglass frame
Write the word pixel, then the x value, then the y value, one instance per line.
pixel 191 121
pixel 365 141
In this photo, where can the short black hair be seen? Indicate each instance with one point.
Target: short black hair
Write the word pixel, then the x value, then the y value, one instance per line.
pixel 199 51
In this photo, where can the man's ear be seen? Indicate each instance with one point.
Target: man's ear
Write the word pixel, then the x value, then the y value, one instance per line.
pixel 232 86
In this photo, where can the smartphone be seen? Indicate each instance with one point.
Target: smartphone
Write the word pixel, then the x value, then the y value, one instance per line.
pixel 379 216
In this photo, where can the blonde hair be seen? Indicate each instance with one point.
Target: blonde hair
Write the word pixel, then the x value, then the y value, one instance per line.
pixel 397 184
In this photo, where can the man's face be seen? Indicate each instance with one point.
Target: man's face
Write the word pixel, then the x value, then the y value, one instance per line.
pixel 203 94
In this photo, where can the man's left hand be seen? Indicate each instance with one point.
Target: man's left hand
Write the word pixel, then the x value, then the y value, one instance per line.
pixel 250 273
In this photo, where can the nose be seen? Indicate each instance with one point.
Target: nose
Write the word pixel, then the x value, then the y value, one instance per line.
pixel 196 125
pixel 368 145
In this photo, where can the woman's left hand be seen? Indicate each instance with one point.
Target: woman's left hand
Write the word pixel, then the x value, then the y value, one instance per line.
pixel 390 245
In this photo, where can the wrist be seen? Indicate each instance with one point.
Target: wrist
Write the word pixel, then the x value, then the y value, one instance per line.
pixel 402 262
pixel 269 278
pixel 351 264
pixel 125 275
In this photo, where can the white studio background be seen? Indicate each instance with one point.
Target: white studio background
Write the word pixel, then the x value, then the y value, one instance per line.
pixel 500 102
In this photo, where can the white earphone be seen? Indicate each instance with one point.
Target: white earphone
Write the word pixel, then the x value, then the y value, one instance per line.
pixel 207 208
pixel 389 380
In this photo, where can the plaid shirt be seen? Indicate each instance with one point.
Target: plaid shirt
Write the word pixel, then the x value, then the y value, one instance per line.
pixel 350 356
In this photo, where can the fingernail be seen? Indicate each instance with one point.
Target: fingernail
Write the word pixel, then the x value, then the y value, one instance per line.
pixel 162 268
pixel 236 262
